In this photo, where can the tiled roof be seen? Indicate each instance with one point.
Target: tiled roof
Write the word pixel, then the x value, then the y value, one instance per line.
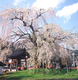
pixel 19 55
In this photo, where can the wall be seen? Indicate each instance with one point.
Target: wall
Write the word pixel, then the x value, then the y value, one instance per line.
pixel 0 69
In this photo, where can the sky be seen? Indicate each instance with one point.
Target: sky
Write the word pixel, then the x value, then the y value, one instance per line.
pixel 65 10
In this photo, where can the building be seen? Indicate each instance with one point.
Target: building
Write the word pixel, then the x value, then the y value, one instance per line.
pixel 18 59
pixel 1 67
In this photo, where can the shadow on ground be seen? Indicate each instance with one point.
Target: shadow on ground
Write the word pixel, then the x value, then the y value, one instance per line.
pixel 23 77
pixel 16 78
pixel 57 79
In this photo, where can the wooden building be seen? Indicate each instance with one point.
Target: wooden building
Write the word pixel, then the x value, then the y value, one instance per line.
pixel 18 60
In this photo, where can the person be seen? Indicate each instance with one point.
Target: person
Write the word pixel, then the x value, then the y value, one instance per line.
pixel 10 60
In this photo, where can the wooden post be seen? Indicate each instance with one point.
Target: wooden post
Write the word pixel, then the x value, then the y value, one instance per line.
pixel 7 61
pixel 16 65
pixel 26 62
pixel 7 65
pixel 10 66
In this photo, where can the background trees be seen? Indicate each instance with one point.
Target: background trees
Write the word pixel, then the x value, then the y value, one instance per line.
pixel 6 48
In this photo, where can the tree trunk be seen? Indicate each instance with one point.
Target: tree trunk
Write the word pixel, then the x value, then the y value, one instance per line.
pixel 52 65
pixel 43 66
pixel 34 65
pixel 46 64
pixel 67 67
pixel 60 64
pixel 35 59
pixel 38 68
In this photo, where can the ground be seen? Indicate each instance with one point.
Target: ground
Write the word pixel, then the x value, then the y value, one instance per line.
pixel 30 75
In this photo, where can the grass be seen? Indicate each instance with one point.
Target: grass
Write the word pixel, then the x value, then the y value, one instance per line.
pixel 29 74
